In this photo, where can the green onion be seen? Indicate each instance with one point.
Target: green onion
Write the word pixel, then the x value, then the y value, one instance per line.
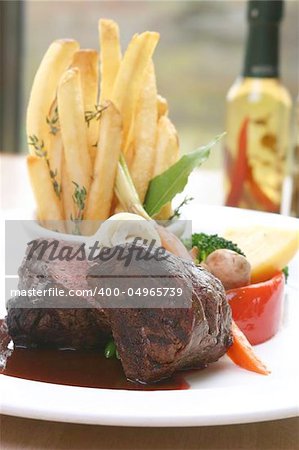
pixel 126 192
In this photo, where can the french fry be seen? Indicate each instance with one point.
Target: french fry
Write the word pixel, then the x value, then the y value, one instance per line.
pixel 110 56
pixel 162 106
pixel 165 213
pixel 67 197
pixel 167 146
pixel 167 153
pixel 108 153
pixel 129 80
pixel 145 130
pixel 63 130
pixel 48 204
pixel 55 161
pixel 74 137
pixel 116 208
pixel 86 61
pixel 55 61
pixel 130 151
pixel 56 150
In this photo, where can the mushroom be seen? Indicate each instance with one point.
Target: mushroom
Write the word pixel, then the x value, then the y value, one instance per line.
pixel 232 269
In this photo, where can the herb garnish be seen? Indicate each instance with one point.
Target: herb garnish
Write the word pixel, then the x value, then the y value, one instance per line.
pixel 165 186
pixel 177 212
pixel 95 114
pixel 53 122
pixel 285 270
pixel 39 147
pixel 79 198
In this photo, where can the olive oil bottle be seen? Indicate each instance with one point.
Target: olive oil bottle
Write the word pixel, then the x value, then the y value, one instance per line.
pixel 258 117
pixel 295 167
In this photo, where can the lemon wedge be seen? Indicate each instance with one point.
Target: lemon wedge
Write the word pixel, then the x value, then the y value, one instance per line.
pixel 267 249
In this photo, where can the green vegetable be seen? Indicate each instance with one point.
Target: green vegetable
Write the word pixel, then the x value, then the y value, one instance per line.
pixel 286 273
pixel 164 187
pixel 125 190
pixel 110 349
pixel 208 243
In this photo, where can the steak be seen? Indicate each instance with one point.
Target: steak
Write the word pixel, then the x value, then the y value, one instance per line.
pixel 154 335
pixel 157 336
pixel 63 328
pixel 55 321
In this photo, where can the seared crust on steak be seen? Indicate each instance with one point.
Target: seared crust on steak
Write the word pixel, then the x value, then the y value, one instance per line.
pixel 55 321
pixel 153 343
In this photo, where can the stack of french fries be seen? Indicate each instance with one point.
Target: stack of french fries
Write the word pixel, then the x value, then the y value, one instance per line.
pixel 78 126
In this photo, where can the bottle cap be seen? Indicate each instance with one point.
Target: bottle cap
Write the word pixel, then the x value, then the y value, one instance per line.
pixel 261 11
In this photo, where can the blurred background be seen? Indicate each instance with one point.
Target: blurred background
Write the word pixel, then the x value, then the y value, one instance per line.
pixel 199 55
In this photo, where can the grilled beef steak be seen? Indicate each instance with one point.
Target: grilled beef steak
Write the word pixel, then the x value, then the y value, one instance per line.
pixel 154 335
pixel 55 321
pixel 55 327
pixel 153 342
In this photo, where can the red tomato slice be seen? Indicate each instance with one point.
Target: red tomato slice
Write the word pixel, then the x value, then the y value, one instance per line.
pixel 257 308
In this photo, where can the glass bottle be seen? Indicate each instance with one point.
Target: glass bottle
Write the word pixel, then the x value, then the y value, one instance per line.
pixel 258 117
pixel 295 167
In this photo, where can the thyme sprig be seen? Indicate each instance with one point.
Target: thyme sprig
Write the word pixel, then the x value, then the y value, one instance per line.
pixel 177 212
pixel 40 150
pixel 53 121
pixel 38 145
pixel 94 114
pixel 56 185
pixel 79 198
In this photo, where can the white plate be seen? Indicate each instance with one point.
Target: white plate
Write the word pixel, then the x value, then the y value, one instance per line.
pixel 221 394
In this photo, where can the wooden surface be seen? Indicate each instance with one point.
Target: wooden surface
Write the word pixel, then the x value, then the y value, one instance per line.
pixel 18 433
pixel 28 434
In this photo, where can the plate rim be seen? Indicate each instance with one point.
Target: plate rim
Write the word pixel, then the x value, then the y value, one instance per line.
pixel 281 406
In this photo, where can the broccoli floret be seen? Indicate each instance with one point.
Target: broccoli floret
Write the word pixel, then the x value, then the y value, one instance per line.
pixel 207 243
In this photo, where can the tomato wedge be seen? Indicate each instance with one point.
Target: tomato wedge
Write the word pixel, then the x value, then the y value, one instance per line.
pixel 257 308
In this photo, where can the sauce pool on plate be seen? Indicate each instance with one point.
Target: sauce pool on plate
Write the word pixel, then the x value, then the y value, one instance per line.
pixel 74 368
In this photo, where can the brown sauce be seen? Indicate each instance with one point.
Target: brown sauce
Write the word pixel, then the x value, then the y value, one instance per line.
pixel 74 368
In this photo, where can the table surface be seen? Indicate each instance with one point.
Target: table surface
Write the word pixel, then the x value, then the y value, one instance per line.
pixel 19 433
